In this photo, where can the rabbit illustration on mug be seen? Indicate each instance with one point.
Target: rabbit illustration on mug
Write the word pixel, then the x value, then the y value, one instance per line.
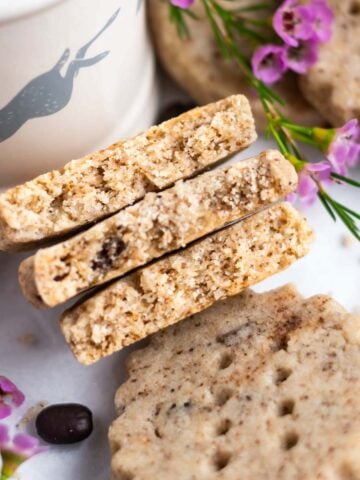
pixel 51 91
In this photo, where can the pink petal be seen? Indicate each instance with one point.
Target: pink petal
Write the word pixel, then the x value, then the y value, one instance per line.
pixel 8 388
pixel 182 3
pixel 6 385
pixel 268 63
pixel 323 20
pixel 307 188
pixel 350 129
pixel 322 169
pixel 18 398
pixel 291 197
pixel 5 410
pixel 344 150
pixel 4 435
pixel 354 156
pixel 303 57
pixel 24 442
pixel 292 21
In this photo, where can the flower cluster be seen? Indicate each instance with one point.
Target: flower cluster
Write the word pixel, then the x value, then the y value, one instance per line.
pixel 9 394
pixel 341 147
pixel 302 28
pixel 14 450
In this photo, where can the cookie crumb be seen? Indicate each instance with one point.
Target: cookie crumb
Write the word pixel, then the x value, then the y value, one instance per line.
pixel 28 339
pixel 31 413
pixel 347 241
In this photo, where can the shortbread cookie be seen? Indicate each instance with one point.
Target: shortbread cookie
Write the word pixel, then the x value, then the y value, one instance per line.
pixel 198 66
pixel 158 224
pixel 184 283
pixel 104 182
pixel 332 85
pixel 260 386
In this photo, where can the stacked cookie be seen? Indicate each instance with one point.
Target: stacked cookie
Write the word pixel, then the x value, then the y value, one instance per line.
pixel 171 237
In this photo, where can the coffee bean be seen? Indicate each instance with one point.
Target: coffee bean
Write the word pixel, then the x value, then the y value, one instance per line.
pixel 64 423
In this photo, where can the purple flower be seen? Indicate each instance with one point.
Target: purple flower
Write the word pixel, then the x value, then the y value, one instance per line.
pixel 14 451
pixel 307 187
pixel 301 58
pixel 322 21
pixel 20 444
pixel 9 392
pixel 4 436
pixel 321 170
pixel 344 150
pixel 291 197
pixel 268 63
pixel 182 3
pixel 293 22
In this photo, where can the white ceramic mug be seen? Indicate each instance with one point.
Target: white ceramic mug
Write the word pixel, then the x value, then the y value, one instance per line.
pixel 76 75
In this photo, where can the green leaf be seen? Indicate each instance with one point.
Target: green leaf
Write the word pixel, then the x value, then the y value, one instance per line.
pixel 221 42
pixel 190 14
pixel 345 218
pixel 257 7
pixel 177 17
pixel 348 180
pixel 249 33
pixel 326 205
pixel 348 210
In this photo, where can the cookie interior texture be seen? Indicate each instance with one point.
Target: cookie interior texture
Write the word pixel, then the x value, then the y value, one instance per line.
pixel 156 225
pixel 197 65
pixel 94 186
pixel 186 282
pixel 332 85
pixel 260 386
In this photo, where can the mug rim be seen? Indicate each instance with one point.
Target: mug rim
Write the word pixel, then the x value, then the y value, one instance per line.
pixel 10 10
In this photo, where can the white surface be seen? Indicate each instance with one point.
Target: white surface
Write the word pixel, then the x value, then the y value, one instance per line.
pixel 47 371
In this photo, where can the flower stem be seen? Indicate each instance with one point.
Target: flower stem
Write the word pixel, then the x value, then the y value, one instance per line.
pixel 11 461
